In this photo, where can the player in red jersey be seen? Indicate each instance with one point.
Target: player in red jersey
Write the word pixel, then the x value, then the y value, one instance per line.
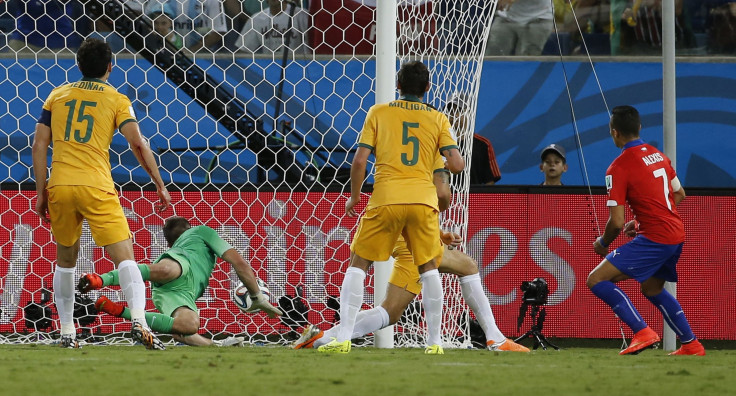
pixel 643 177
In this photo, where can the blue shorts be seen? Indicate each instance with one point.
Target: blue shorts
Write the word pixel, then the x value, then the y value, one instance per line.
pixel 642 259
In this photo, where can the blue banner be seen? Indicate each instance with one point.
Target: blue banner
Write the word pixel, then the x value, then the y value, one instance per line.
pixel 522 107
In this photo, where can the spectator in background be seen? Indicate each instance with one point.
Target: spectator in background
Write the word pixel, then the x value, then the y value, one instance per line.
pixel 162 20
pixel 200 23
pixel 266 32
pixel 102 28
pixel 252 7
pixel 237 11
pixel 637 27
pixel 592 25
pixel 553 165
pixel 722 28
pixel 484 169
pixel 44 24
pixel 520 27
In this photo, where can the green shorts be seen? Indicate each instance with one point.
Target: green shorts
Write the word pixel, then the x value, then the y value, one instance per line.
pixel 180 292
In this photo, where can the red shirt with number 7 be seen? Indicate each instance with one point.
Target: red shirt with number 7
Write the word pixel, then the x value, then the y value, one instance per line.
pixel 642 176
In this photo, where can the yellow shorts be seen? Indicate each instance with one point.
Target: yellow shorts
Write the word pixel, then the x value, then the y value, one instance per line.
pixel 380 227
pixel 405 274
pixel 69 205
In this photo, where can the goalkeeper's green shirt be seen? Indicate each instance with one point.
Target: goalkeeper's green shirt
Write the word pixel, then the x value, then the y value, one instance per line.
pixel 198 247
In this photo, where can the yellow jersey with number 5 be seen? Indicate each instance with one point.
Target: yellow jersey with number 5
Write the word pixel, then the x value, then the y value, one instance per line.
pixel 83 117
pixel 406 137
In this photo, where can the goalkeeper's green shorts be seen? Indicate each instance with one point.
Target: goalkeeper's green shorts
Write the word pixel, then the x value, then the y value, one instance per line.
pixel 181 292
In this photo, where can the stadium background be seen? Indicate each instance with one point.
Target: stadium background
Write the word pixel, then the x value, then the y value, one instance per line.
pixel 516 233
pixel 520 114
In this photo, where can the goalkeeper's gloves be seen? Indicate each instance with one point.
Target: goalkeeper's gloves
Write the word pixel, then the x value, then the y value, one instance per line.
pixel 261 303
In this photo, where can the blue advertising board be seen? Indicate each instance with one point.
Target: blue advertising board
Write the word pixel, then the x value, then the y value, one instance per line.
pixel 522 107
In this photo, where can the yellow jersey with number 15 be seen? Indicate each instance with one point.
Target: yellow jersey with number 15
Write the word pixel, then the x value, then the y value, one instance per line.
pixel 83 117
pixel 406 136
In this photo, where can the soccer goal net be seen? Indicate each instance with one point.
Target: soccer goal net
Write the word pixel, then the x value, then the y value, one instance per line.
pixel 254 133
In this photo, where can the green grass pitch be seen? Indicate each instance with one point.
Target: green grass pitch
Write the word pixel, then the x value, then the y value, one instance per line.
pixel 179 371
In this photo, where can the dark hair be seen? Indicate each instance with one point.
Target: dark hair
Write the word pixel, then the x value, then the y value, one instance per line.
pixel 93 57
pixel 174 227
pixel 413 78
pixel 625 119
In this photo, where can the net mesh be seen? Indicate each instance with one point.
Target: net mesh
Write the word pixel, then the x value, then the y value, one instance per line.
pixel 255 136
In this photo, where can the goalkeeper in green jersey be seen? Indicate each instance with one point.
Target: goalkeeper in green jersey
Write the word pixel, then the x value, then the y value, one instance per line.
pixel 178 278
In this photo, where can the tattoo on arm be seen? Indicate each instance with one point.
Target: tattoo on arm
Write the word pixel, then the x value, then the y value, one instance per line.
pixel 445 176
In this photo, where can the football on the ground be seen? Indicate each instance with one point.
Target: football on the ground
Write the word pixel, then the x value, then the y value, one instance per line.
pixel 242 299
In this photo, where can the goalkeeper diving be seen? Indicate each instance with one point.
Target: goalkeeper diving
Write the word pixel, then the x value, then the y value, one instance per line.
pixel 178 278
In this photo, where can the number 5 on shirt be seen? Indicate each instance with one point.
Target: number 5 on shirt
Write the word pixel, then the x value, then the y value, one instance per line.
pixel 413 140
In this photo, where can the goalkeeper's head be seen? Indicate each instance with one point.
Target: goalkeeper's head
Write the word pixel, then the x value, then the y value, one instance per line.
pixel 413 79
pixel 174 227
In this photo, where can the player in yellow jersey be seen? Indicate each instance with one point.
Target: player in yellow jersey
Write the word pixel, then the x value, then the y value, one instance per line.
pixel 405 135
pixel 79 120
pixel 404 286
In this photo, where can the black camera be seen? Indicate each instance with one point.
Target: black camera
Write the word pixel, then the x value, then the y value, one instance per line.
pixel 535 292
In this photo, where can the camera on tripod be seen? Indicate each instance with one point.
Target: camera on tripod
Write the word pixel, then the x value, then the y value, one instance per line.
pixel 535 292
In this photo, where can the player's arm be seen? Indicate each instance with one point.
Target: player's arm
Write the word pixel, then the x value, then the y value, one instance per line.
pixel 444 197
pixel 145 157
pixel 442 185
pixel 678 192
pixel 455 161
pixel 357 175
pixel 248 277
pixel 614 225
pixel 39 150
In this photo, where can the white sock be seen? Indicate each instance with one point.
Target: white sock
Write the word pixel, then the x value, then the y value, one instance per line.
pixel 64 299
pixel 327 336
pixel 366 322
pixel 369 321
pixel 134 290
pixel 432 299
pixel 474 295
pixel 351 299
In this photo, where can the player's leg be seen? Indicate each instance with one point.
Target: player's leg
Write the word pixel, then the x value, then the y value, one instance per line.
pixel 66 226
pixel 374 319
pixel 601 281
pixel 674 315
pixel 432 300
pixel 422 235
pixel 402 289
pixel 109 229
pixel 635 259
pixel 373 241
pixel 351 295
pixel 130 278
pixel 156 321
pixel 462 265
pixel 66 258
pixel 161 272
pixel 653 289
pixel 186 325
